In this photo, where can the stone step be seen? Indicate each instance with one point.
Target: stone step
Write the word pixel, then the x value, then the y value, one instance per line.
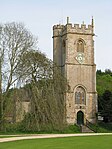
pixel 86 129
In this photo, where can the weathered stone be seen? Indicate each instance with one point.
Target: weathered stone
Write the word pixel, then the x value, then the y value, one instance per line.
pixel 73 50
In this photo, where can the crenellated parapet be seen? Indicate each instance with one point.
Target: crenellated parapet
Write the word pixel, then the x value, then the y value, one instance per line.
pixel 73 52
pixel 57 30
pixel 60 30
pixel 58 26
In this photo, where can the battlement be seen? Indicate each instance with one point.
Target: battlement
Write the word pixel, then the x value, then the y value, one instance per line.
pixel 74 28
pixel 58 26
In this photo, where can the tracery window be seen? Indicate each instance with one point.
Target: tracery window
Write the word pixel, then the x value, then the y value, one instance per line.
pixel 80 46
pixel 80 97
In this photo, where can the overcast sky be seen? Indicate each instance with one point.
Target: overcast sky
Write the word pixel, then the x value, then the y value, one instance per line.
pixel 39 16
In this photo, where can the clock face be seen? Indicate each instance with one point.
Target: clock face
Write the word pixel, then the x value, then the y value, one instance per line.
pixel 80 58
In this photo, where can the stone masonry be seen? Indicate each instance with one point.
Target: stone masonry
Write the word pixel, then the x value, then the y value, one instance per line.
pixel 73 51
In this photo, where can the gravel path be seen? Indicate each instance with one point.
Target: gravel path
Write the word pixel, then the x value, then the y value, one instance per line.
pixel 24 137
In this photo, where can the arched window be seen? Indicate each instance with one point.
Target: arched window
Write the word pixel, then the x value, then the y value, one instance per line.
pixel 80 96
pixel 77 97
pixel 83 98
pixel 80 45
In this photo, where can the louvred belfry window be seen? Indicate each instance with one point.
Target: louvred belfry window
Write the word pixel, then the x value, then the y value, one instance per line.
pixel 80 46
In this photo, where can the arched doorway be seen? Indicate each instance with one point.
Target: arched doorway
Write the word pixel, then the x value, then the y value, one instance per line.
pixel 80 118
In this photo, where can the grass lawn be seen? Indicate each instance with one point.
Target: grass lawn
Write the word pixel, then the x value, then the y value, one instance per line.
pixel 88 142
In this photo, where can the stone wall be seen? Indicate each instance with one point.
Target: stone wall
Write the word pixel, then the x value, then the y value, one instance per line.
pixel 78 73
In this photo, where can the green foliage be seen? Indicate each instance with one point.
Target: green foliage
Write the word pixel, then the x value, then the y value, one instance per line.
pixel 22 128
pixel 71 129
pixel 47 103
pixel 103 82
pixel 43 90
pixel 104 127
pixel 12 128
pixel 34 66
pixel 104 89
pixel 105 106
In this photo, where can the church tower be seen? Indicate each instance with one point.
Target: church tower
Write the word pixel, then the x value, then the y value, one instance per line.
pixel 73 51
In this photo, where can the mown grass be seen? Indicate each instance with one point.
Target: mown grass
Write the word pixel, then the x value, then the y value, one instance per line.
pixel 84 142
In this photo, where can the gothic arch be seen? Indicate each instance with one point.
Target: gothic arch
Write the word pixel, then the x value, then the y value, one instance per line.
pixel 81 86
pixel 80 45
pixel 80 95
pixel 80 118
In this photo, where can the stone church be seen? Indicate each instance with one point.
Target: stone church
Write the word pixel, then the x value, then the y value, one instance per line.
pixel 73 52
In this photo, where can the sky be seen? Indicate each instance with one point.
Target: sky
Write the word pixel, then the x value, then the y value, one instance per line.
pixel 39 16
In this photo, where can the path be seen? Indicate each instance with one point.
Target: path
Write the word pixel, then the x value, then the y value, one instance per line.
pixel 24 137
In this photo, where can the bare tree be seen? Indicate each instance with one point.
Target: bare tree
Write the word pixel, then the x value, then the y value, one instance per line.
pixel 15 40
pixel 1 99
pixel 20 62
